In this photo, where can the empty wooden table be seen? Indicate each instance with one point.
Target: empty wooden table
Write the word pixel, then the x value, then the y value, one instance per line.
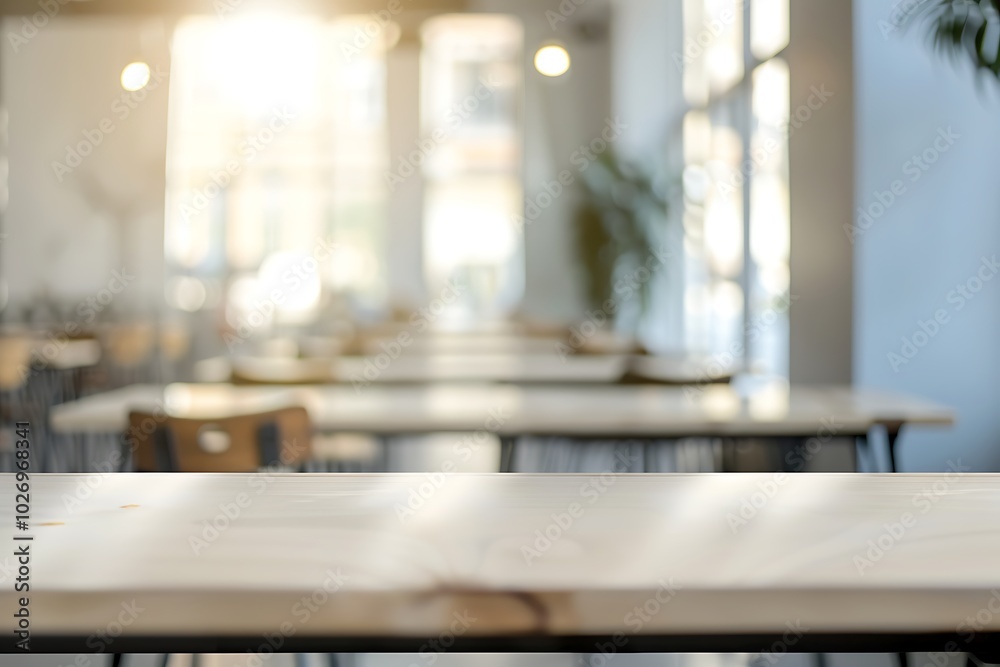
pixel 585 563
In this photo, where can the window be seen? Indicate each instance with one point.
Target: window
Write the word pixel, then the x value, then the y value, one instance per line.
pixel 736 209
pixel 276 152
pixel 471 83
pixel 277 161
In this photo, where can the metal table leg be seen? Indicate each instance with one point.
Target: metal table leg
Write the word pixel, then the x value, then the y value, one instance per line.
pixel 892 434
pixel 507 443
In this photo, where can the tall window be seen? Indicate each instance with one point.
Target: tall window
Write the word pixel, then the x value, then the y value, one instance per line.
pixel 276 150
pixel 470 112
pixel 736 218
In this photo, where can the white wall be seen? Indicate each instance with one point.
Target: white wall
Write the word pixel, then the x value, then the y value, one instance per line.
pixel 930 239
pixel 66 237
pixel 821 162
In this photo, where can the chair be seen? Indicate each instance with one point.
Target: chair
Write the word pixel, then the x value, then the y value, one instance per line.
pixel 15 358
pixel 242 443
pixel 129 350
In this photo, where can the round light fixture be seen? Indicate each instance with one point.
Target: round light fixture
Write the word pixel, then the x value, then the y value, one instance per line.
pixel 135 76
pixel 552 60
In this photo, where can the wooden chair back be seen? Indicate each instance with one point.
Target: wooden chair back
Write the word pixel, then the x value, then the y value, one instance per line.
pixel 243 443
pixel 15 359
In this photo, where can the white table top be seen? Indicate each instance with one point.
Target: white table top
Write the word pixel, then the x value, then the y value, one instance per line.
pixel 413 367
pixel 457 343
pixel 583 411
pixel 69 354
pixel 804 557
pixel 413 342
pixel 421 368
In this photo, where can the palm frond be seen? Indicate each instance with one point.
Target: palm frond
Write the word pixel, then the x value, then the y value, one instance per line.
pixel 965 30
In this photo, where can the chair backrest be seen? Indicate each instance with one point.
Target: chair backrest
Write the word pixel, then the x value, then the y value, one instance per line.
pixel 15 359
pixel 130 345
pixel 243 443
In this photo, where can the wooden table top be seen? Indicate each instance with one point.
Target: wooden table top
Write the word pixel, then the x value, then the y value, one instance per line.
pixel 582 411
pixel 402 556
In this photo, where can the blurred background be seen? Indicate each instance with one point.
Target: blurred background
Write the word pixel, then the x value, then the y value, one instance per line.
pixel 787 186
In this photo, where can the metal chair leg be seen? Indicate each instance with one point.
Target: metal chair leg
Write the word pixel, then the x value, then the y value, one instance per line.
pixel 116 660
pixel 904 659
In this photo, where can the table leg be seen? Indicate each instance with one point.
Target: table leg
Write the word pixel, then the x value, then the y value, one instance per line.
pixel 507 443
pixel 384 443
pixel 892 434
pixel 861 448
